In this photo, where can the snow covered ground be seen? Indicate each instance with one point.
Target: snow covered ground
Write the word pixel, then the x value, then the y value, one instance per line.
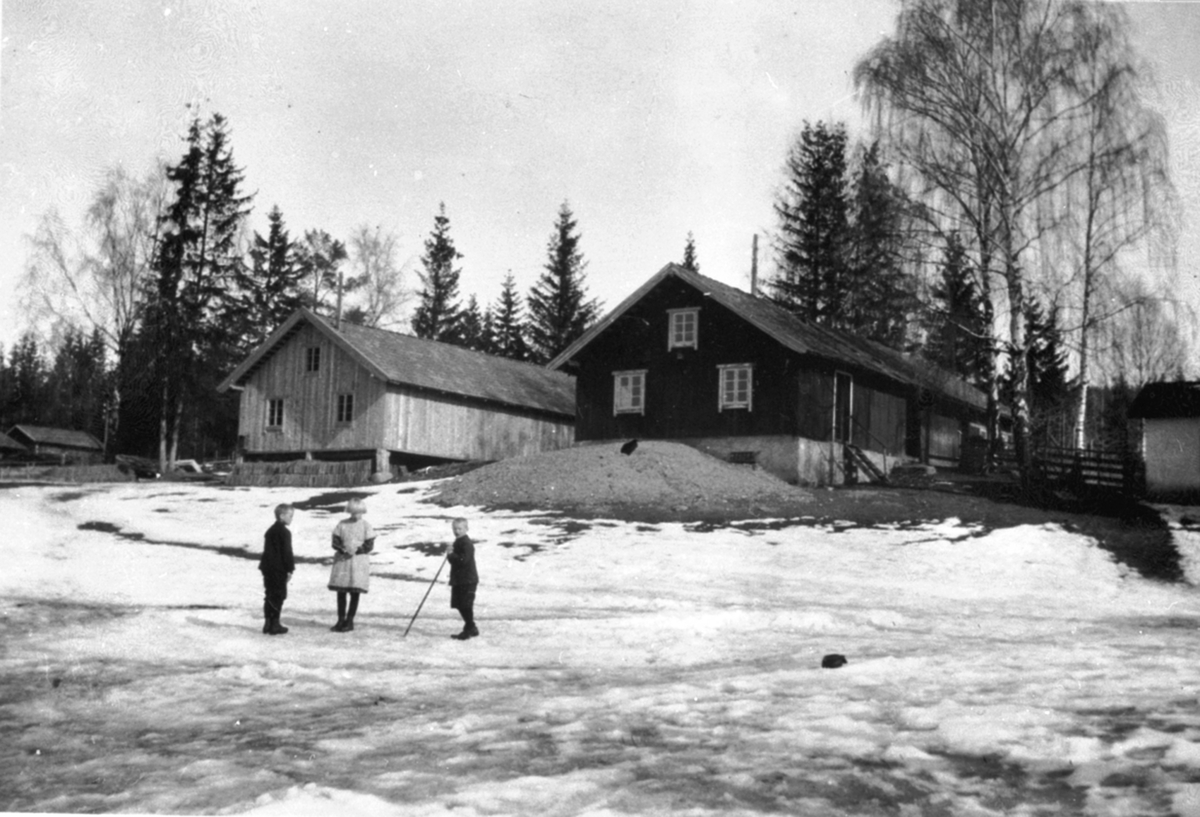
pixel 622 668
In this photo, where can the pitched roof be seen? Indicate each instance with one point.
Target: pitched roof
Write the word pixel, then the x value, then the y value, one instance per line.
pixel 799 336
pixel 7 443
pixel 43 435
pixel 1159 401
pixel 429 365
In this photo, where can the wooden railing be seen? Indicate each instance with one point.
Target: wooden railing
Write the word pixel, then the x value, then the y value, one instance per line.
pixel 1123 471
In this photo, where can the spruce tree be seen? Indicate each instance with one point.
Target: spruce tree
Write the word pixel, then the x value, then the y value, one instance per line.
pixel 959 335
pixel 27 402
pixel 195 267
pixel 814 226
pixel 438 315
pixel 508 323
pixel 471 326
pixel 270 288
pixel 879 292
pixel 559 310
pixel 689 254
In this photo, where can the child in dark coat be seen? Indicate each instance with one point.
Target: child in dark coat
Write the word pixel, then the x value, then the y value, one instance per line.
pixel 277 566
pixel 463 578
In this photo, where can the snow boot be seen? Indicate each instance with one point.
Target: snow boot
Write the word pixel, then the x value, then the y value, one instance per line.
pixel 276 627
pixel 266 619
pixel 348 625
pixel 340 627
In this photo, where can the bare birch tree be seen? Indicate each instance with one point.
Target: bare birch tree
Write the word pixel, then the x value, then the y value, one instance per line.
pixel 378 278
pixel 981 99
pixel 95 277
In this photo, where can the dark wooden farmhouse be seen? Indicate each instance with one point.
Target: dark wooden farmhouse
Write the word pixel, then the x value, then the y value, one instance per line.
pixel 316 390
pixel 691 359
pixel 76 447
pixel 1169 418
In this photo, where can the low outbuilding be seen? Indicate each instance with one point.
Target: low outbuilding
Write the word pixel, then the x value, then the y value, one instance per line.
pixel 68 446
pixel 1169 438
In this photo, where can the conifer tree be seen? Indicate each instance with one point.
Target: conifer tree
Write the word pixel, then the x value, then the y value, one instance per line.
pixel 26 401
pixel 880 295
pixel 438 315
pixel 270 288
pixel 959 337
pixel 814 226
pixel 689 254
pixel 508 323
pixel 559 310
pixel 196 265
pixel 471 326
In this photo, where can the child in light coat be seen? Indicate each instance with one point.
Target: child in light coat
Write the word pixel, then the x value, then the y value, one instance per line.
pixel 353 540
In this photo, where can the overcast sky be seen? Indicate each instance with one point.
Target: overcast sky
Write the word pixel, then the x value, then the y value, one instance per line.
pixel 651 119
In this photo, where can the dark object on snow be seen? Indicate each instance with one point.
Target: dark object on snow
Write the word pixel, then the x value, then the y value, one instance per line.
pixel 629 447
pixel 833 661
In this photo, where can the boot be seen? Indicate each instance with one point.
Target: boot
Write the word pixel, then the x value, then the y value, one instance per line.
pixel 340 627
pixel 348 625
pixel 276 627
pixel 266 619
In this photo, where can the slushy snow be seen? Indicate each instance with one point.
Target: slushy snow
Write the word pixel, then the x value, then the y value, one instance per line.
pixel 623 668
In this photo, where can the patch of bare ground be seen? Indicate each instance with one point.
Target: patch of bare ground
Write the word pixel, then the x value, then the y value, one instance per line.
pixel 670 482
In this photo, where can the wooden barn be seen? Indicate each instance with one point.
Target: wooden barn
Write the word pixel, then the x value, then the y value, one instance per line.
pixel 1169 416
pixel 317 390
pixel 68 446
pixel 691 359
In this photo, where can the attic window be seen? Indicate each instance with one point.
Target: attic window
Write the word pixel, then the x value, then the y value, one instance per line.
pixel 682 328
pixel 629 392
pixel 737 387
pixel 312 359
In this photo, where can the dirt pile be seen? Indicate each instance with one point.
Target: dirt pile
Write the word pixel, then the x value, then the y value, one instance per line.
pixel 657 480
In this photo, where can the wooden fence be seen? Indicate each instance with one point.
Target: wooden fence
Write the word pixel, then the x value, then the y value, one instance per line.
pixel 302 473
pixel 1117 470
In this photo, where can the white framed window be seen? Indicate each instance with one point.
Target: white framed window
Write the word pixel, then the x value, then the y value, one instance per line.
pixel 629 392
pixel 683 328
pixel 345 408
pixel 736 387
pixel 312 359
pixel 274 414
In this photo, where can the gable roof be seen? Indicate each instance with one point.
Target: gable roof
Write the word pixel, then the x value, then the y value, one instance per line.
pixel 797 335
pixel 7 443
pixel 44 435
pixel 1159 401
pixel 428 365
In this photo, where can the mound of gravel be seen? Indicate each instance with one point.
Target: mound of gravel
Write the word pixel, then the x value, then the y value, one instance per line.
pixel 673 478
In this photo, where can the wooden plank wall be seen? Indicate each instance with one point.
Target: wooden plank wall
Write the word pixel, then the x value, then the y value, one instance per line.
pixel 310 400
pixel 384 416
pixel 444 426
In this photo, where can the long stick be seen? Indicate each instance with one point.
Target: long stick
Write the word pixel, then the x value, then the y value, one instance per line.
pixel 422 604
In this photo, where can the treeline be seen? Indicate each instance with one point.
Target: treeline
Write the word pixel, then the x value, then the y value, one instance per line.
pixel 161 293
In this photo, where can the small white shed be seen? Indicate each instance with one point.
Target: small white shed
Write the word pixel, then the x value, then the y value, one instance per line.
pixel 1170 438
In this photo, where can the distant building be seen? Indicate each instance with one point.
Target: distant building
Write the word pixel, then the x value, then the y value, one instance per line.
pixel 316 390
pixel 10 448
pixel 690 359
pixel 1170 436
pixel 76 447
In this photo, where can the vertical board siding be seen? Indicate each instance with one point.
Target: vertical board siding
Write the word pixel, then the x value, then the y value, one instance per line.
pixel 310 400
pixel 385 416
pixel 444 426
